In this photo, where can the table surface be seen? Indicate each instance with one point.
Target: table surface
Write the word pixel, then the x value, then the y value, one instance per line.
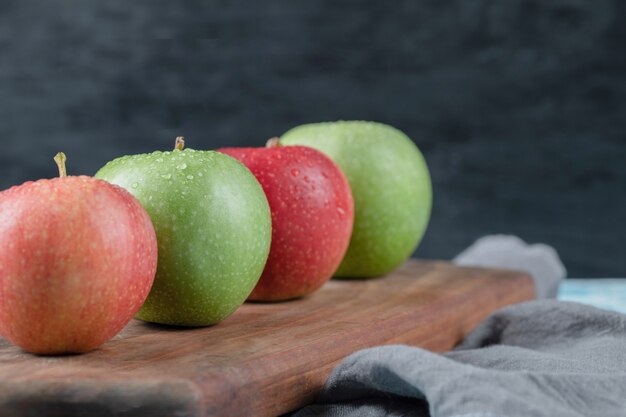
pixel 606 293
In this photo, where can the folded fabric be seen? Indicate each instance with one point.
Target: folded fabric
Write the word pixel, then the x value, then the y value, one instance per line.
pixel 538 359
pixel 511 252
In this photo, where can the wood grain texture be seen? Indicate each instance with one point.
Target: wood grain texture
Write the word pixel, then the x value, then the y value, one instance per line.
pixel 264 360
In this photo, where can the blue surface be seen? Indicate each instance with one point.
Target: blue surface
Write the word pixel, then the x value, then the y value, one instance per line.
pixel 608 294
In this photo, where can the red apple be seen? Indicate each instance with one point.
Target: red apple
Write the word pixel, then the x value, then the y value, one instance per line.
pixel 77 260
pixel 312 215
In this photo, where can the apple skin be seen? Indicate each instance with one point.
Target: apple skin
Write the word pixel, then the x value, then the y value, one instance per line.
pixel 312 215
pixel 77 259
pixel 390 184
pixel 213 227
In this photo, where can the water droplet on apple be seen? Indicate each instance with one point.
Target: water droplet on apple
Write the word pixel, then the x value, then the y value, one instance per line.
pixel 295 172
pixel 181 166
pixel 166 176
pixel 341 211
pixel 189 177
pixel 135 185
pixel 200 174
pixel 306 179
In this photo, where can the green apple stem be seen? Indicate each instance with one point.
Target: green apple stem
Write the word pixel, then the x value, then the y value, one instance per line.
pixel 273 142
pixel 60 159
pixel 180 143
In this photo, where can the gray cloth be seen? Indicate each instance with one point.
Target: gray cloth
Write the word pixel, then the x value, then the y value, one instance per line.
pixel 541 358
pixel 511 252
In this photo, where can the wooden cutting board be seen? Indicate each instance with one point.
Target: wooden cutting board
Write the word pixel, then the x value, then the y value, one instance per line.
pixel 264 360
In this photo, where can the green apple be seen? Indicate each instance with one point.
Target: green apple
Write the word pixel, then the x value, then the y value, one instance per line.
pixel 391 188
pixel 213 228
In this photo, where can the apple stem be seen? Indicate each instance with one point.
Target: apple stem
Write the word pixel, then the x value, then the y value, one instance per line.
pixel 273 142
pixel 180 143
pixel 60 159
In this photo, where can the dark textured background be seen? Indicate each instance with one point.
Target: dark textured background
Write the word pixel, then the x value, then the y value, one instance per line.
pixel 519 106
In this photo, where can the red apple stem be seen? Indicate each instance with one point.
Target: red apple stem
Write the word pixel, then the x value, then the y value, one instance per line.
pixel 273 142
pixel 180 143
pixel 60 159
